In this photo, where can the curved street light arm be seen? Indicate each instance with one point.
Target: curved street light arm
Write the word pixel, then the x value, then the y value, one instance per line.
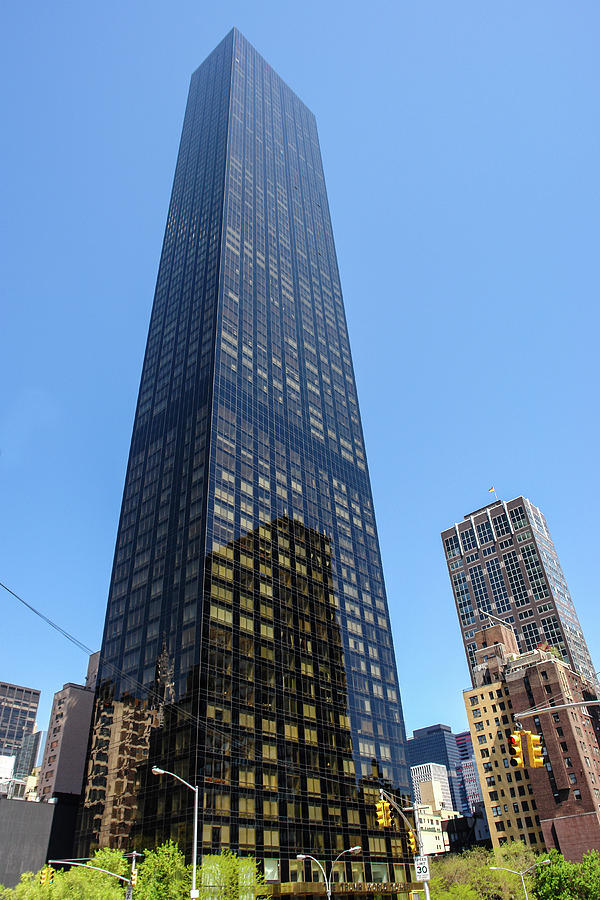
pixel 173 775
pixel 339 856
pixel 68 862
pixel 308 856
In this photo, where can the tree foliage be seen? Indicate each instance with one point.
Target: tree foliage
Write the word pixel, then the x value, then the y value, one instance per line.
pixel 564 880
pixel 226 876
pixel 467 876
pixel 76 883
pixel 163 874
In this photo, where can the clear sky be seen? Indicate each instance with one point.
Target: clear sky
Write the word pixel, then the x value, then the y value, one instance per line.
pixel 460 143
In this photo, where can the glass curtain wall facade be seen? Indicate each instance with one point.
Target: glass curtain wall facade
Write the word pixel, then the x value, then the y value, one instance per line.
pixel 247 644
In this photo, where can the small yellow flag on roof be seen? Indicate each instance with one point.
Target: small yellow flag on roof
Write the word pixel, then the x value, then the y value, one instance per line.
pixel 492 490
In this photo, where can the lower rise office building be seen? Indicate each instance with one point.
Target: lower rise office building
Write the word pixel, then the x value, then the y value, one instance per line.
pixel 247 645
pixel 438 744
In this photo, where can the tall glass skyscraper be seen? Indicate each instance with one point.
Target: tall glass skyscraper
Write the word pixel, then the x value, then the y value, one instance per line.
pixel 247 644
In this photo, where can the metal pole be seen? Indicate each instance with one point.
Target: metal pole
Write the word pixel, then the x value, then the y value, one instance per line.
pixel 421 850
pixel 413 809
pixel 524 888
pixel 308 856
pixel 194 893
pixel 156 770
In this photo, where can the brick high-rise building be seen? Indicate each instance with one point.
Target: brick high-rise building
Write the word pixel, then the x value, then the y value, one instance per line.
pixel 502 561
pixel 558 804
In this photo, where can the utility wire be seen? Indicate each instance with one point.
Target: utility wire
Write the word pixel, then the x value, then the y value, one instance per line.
pixel 115 671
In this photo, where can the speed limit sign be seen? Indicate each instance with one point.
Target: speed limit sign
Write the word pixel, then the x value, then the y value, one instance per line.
pixel 422 868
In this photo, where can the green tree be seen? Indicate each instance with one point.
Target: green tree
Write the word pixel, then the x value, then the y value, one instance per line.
pixel 75 883
pixel 441 890
pixel 462 874
pixel 226 876
pixel 565 880
pixel 163 874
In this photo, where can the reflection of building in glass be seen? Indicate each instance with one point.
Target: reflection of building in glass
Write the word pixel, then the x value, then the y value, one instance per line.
pixel 502 561
pixel 120 738
pixel 247 551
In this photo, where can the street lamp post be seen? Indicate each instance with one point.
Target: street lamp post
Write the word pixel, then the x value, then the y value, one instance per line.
pixel 194 893
pixel 353 850
pixel 542 862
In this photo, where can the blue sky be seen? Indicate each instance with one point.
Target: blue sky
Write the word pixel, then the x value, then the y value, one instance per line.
pixel 460 144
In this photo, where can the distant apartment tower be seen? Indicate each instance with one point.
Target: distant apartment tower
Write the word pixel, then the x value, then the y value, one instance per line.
pixel 435 775
pixel 502 561
pixel 27 755
pixel 437 744
pixel 18 709
pixel 467 771
pixel 554 806
pixel 63 763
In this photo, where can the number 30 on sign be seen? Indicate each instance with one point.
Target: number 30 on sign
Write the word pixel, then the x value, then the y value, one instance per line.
pixel 422 868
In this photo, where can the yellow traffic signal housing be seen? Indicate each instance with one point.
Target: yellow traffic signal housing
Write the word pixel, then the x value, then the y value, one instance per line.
pixel 515 749
pixel 384 813
pixel 534 749
pixel 412 843
pixel 134 878
pixel 47 875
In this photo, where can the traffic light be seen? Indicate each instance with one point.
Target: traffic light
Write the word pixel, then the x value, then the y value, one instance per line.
pixel 47 875
pixel 516 750
pixel 134 878
pixel 384 813
pixel 534 748
pixel 412 843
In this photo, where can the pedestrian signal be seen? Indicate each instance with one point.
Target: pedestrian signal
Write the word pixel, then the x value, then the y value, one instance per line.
pixel 534 748
pixel 384 813
pixel 515 749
